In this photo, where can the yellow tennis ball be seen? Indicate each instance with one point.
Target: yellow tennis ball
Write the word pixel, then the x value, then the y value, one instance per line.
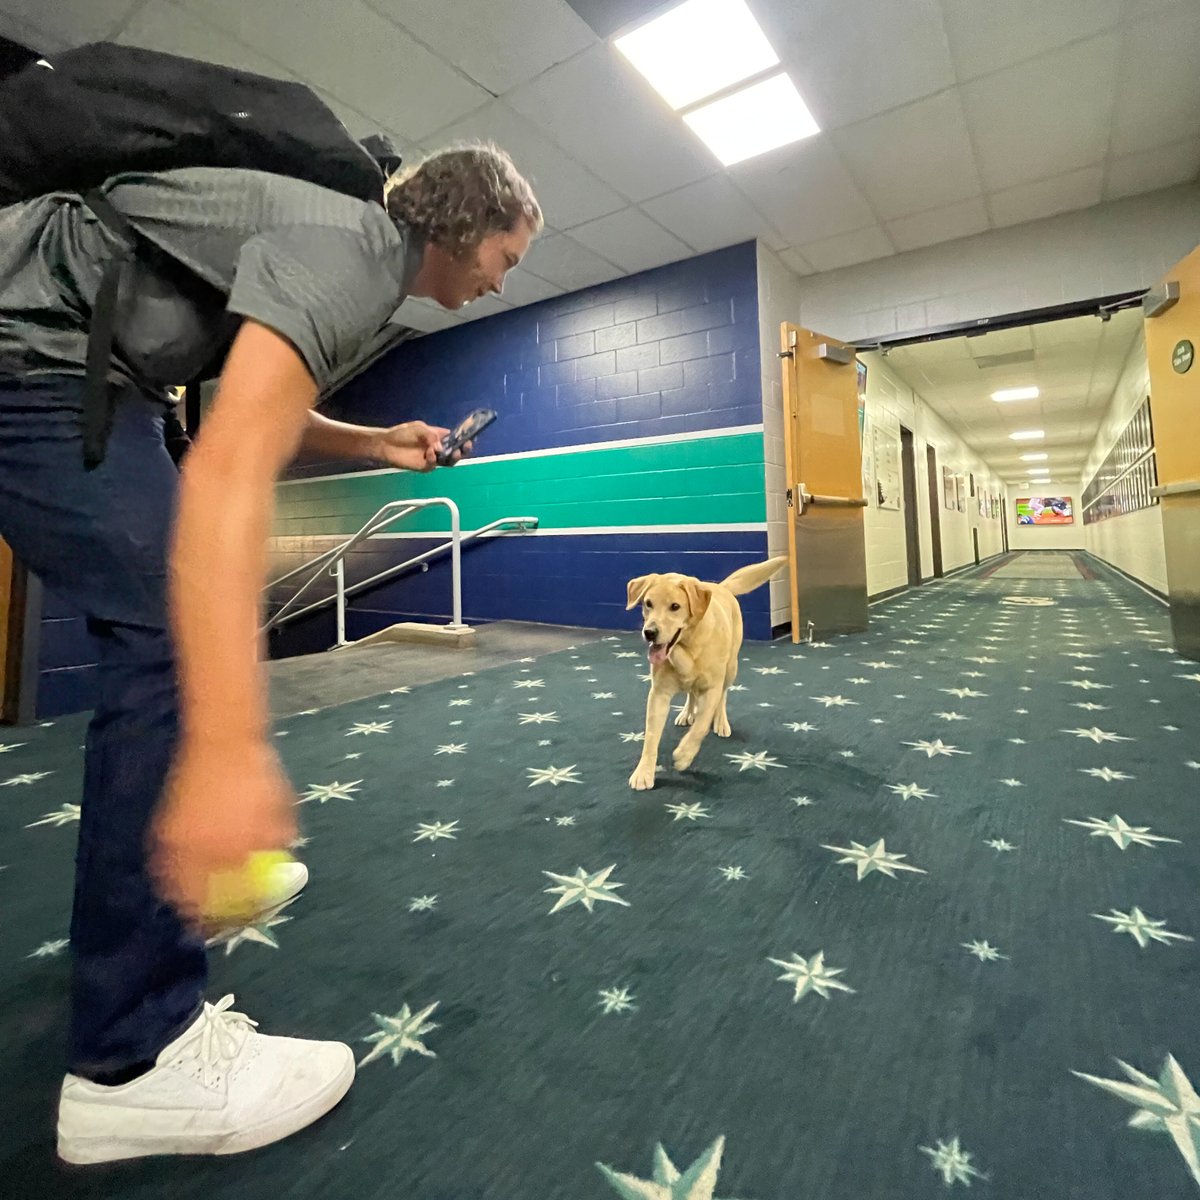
pixel 245 892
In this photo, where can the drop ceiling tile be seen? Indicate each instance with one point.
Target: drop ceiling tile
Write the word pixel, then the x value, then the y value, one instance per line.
pixel 851 59
pixel 631 240
pixel 848 249
pixel 914 158
pixel 1149 170
pixel 804 191
pixel 1047 198
pixel 711 214
pixel 1001 33
pixel 607 116
pixel 568 193
pixel 163 26
pixel 797 262
pixel 523 287
pixel 351 51
pixel 72 22
pixel 565 262
pixel 1044 117
pixel 1158 99
pixel 499 44
pixel 963 219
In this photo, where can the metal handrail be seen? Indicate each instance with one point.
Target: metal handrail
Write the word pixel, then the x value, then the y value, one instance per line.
pixel 332 561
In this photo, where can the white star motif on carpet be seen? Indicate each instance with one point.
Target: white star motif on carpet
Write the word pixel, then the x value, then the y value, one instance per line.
pixel 1105 773
pixel 999 844
pixel 323 792
pixel 800 727
pixel 30 777
pixel 552 775
pixel 451 748
pixel 616 1000
pixel 1120 831
pixel 538 718
pixel 401 1034
pixel 952 1161
pixel 983 951
pixel 834 701
pixel 732 874
pixel 369 727
pixel 584 888
pixel 874 858
pixel 63 816
pixel 911 791
pixel 692 812
pixel 434 831
pixel 422 904
pixel 1141 928
pixel 759 760
pixel 811 974
pixel 935 748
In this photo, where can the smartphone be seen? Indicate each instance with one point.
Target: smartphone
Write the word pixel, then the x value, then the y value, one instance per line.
pixel 469 428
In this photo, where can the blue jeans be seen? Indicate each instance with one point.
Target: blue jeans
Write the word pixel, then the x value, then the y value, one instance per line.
pixel 99 539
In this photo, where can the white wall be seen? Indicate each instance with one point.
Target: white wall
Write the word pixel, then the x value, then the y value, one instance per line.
pixel 1110 248
pixel 1046 537
pixel 890 404
pixel 1133 542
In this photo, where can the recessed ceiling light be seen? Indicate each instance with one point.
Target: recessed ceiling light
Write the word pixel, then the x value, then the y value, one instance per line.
pixel 1028 435
pixel 1034 457
pixel 1021 393
pixel 698 49
pixel 751 122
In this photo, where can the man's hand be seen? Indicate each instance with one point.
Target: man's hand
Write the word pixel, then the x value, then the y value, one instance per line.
pixel 414 446
pixel 224 801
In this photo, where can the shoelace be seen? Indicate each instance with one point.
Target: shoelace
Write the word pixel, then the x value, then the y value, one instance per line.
pixel 217 1038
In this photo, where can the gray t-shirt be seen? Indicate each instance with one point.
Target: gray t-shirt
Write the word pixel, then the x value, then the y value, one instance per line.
pixel 325 270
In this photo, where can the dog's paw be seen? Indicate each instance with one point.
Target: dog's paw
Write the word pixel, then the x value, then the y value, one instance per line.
pixel 721 727
pixel 685 718
pixel 684 756
pixel 642 779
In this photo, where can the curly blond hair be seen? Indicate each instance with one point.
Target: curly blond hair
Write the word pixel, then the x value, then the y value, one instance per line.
pixel 457 197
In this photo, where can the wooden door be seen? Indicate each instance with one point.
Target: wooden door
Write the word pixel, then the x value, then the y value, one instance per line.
pixel 823 457
pixel 1173 353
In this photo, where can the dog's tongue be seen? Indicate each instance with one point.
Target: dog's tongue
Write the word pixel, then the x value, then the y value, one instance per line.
pixel 658 654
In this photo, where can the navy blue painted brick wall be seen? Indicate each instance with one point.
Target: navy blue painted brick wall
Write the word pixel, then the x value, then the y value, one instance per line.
pixel 673 350
pixel 669 351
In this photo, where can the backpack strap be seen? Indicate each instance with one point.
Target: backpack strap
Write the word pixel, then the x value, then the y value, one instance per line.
pixel 98 396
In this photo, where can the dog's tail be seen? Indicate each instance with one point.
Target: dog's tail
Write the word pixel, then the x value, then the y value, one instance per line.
pixel 746 579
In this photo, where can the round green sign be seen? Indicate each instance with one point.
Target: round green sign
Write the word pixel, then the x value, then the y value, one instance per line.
pixel 1182 356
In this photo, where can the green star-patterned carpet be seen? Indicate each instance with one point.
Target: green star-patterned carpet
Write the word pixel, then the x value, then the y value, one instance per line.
pixel 924 924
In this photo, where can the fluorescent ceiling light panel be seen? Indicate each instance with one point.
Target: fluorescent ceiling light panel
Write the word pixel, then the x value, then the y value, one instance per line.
pixel 1028 435
pixel 1021 393
pixel 1034 457
pixel 699 49
pixel 751 122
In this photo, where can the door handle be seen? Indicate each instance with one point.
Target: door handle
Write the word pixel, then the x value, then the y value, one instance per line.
pixel 807 500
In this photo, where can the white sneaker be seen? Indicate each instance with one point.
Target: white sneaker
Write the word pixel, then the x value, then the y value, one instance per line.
pixel 220 1088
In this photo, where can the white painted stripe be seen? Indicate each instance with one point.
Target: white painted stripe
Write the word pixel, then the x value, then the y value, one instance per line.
pixel 663 440
pixel 583 531
pixel 589 531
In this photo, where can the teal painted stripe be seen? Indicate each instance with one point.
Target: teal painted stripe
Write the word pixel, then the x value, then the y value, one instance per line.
pixel 701 481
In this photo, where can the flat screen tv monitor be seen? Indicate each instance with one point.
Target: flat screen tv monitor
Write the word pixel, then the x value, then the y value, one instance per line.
pixel 1045 510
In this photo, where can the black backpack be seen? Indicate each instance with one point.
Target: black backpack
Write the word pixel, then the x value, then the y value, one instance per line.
pixel 103 109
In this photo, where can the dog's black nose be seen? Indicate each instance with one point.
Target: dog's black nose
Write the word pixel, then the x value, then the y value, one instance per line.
pixel 650 634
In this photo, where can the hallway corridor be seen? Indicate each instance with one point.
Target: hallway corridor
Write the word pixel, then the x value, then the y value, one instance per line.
pixel 927 921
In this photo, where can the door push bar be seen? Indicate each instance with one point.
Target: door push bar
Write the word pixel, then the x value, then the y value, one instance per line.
pixel 807 500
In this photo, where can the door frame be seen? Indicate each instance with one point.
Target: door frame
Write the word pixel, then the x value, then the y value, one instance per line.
pixel 935 509
pixel 912 525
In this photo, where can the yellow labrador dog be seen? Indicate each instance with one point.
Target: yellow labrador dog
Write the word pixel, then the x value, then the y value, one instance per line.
pixel 693 631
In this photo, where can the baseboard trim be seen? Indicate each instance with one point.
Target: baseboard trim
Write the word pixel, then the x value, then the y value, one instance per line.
pixel 1150 591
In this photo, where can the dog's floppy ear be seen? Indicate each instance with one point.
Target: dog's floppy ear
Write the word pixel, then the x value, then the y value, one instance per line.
pixel 638 588
pixel 698 594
